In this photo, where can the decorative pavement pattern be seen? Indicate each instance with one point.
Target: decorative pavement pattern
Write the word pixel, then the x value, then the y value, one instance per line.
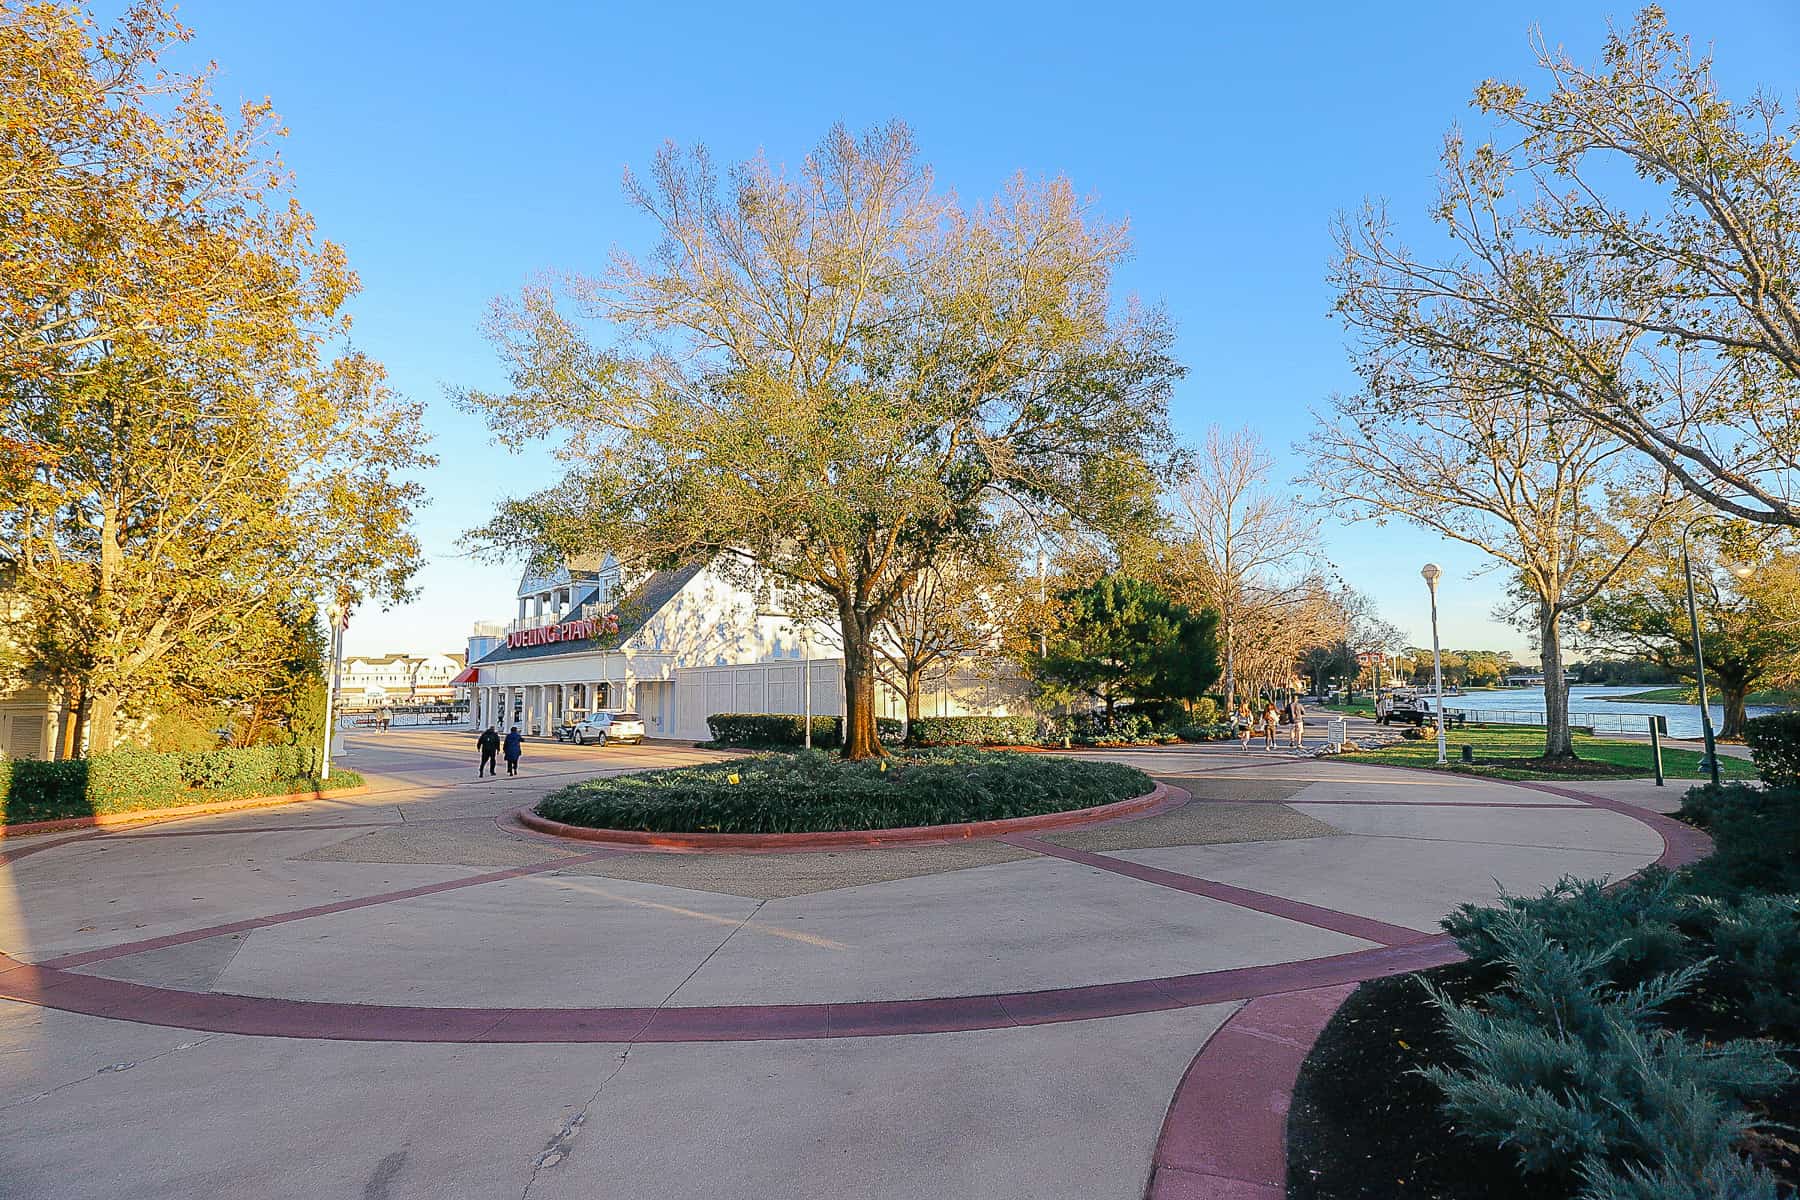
pixel 404 994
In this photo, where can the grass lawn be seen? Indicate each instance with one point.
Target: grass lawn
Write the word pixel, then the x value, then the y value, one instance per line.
pixel 1355 708
pixel 1500 752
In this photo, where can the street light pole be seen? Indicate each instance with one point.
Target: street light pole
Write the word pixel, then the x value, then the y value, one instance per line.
pixel 339 613
pixel 1709 762
pixel 1431 571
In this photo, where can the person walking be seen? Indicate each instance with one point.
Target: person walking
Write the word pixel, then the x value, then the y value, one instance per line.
pixel 1271 717
pixel 1246 722
pixel 489 745
pixel 1296 718
pixel 514 746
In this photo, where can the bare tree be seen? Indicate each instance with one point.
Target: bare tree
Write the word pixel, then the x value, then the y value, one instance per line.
pixel 1238 540
pixel 1675 328
pixel 955 608
pixel 1550 497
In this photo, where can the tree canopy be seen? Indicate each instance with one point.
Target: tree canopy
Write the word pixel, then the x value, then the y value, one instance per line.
pixel 831 378
pixel 190 445
pixel 1627 248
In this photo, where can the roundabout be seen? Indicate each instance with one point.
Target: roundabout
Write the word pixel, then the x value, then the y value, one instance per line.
pixel 977 993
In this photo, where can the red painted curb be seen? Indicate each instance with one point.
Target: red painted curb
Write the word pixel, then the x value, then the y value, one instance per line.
pixel 1224 1136
pixel 1159 799
pixel 138 816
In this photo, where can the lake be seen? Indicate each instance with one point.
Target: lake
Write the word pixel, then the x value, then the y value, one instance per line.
pixel 1589 705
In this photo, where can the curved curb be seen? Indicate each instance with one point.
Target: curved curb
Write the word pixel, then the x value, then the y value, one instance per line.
pixel 270 1016
pixel 139 816
pixel 1224 1136
pixel 1159 799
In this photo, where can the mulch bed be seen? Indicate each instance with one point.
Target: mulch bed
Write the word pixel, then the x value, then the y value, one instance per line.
pixel 1363 1126
pixel 1574 768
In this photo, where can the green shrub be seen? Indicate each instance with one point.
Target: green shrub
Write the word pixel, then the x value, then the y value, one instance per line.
pixel 1205 712
pixel 128 779
pixel 977 731
pixel 1639 924
pixel 780 731
pixel 1756 944
pixel 817 791
pixel 1577 1076
pixel 124 776
pixel 1774 742
pixel 1756 839
pixel 1200 732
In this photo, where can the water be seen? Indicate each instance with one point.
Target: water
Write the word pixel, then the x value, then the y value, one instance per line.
pixel 1588 705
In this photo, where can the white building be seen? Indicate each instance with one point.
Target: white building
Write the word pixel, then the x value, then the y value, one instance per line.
pixel 675 646
pixel 400 678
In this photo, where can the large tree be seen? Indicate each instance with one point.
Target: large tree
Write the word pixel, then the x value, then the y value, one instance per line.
pixel 1747 596
pixel 1120 638
pixel 830 377
pixel 1642 233
pixel 189 444
pixel 1549 498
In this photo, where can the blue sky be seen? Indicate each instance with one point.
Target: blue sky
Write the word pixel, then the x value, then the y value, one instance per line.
pixel 456 149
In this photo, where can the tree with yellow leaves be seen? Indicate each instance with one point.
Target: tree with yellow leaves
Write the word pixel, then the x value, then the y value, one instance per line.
pixel 189 443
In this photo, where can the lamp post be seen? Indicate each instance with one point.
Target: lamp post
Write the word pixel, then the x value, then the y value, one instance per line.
pixel 339 613
pixel 1431 571
pixel 1709 762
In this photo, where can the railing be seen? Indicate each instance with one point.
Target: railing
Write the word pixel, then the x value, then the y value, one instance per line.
pixel 1609 722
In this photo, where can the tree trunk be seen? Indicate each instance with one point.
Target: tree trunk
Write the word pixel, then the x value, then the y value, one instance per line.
pixel 1230 663
pixel 1558 742
pixel 915 676
pixel 1732 697
pixel 102 723
pixel 860 737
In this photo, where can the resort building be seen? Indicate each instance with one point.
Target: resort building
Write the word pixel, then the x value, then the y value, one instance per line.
pixel 677 646
pixel 387 679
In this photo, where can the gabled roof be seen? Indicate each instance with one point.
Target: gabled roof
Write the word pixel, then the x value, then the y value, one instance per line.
pixel 635 610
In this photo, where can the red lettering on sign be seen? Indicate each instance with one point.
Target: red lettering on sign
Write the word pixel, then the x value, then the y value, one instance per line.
pixel 568 631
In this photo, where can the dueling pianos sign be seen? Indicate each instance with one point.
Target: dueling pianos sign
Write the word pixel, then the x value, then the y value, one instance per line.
pixel 567 631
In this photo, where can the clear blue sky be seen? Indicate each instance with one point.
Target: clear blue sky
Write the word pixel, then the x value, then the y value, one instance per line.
pixel 457 148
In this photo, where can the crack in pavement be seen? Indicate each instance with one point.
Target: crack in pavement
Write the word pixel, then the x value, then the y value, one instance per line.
pixel 559 1147
pixel 108 1069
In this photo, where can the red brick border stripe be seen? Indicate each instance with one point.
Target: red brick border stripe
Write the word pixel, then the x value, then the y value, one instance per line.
pixel 1367 928
pixel 267 1016
pixel 1159 799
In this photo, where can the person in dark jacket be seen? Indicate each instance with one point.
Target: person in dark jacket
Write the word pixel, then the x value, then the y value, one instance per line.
pixel 515 746
pixel 489 745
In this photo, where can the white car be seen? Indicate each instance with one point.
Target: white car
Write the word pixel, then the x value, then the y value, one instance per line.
pixel 604 727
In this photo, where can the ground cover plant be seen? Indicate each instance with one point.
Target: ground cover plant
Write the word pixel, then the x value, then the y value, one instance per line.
pixel 133 780
pixel 1510 752
pixel 809 792
pixel 1624 1044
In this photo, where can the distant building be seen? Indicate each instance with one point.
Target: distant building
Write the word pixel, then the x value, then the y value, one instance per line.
pixel 400 678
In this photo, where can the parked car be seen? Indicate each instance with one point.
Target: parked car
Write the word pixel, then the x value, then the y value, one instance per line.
pixel 603 727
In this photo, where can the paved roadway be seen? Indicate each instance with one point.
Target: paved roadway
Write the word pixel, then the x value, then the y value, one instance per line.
pixel 393 995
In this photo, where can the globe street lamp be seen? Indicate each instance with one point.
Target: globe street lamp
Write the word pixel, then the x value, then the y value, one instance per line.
pixel 1431 571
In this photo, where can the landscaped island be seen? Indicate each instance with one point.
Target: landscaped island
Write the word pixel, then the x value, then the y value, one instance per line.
pixel 815 792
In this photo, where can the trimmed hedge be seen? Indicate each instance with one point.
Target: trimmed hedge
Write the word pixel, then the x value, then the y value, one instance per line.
pixel 1774 743
pixel 812 792
pixel 777 731
pixel 130 779
pixel 977 731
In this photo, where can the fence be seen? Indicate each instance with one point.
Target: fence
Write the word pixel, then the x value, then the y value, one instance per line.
pixel 1599 722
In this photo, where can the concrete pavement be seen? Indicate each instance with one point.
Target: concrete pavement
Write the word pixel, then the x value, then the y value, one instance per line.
pixel 470 1010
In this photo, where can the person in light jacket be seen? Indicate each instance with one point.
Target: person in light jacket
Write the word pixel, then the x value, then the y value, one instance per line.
pixel 1296 715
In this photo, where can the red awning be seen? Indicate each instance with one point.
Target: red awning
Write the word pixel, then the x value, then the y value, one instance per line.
pixel 469 675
